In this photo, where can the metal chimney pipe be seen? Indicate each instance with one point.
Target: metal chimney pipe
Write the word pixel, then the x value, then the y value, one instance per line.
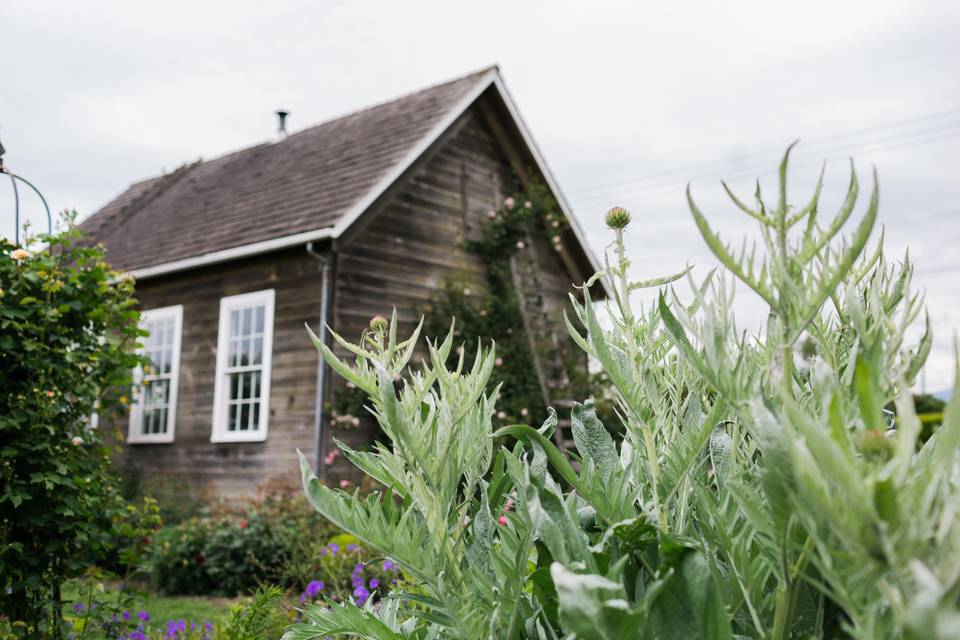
pixel 282 122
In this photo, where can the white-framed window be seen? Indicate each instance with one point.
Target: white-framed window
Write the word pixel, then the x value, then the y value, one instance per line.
pixel 241 397
pixel 153 412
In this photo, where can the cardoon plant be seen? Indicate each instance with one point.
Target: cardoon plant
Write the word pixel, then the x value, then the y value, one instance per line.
pixel 761 489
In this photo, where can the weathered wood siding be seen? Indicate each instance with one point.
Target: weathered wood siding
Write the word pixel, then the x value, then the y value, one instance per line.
pixel 192 462
pixel 402 251
pixel 412 245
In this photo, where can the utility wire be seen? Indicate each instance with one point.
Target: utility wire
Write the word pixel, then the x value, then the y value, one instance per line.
pixel 684 171
pixel 924 137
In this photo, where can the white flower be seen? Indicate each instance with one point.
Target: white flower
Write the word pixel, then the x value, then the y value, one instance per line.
pixel 498 361
pixel 76 441
pixel 491 214
pixel 527 205
pixel 19 254
pixel 556 223
pixel 524 412
pixel 509 202
pixel 501 415
pixel 520 244
pixel 556 239
pixel 466 291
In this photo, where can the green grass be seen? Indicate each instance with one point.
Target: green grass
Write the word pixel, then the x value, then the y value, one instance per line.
pixel 193 608
pixel 162 608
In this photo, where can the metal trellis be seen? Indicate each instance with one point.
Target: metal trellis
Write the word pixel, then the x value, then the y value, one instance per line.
pixel 16 198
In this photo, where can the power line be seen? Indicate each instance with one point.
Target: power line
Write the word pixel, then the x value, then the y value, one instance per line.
pixel 684 171
pixel 922 137
pixel 916 138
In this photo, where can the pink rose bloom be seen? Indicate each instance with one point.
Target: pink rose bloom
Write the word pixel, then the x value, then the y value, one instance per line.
pixel 509 202
pixel 502 520
pixel 344 484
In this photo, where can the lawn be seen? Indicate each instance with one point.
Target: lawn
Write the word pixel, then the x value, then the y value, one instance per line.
pixel 185 607
pixel 161 607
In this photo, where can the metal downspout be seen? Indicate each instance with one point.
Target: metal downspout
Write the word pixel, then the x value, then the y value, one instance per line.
pixel 321 365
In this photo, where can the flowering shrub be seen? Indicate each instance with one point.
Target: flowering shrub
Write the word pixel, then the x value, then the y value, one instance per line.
pixel 496 316
pixel 67 330
pixel 279 539
pixel 339 569
pixel 759 490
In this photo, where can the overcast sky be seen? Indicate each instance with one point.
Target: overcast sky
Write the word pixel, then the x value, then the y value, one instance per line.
pixel 627 100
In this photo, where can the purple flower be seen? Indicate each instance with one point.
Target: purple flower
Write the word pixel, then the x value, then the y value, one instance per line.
pixel 334 548
pixel 388 566
pixel 351 547
pixel 78 607
pixel 126 616
pixel 361 594
pixel 143 616
pixel 137 635
pixel 374 583
pixel 313 588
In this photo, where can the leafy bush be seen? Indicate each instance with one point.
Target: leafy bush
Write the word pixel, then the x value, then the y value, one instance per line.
pixel 759 491
pixel 220 555
pixel 235 548
pixel 67 330
pixel 176 562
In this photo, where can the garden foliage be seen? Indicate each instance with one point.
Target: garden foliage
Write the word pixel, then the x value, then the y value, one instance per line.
pixel 525 221
pixel 67 330
pixel 760 489
pixel 233 548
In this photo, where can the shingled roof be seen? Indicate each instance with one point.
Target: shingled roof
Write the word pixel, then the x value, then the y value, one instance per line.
pixel 310 185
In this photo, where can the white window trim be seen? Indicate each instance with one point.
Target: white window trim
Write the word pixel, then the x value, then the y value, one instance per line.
pixel 135 433
pixel 219 432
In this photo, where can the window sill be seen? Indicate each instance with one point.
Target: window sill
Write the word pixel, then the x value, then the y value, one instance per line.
pixel 227 438
pixel 147 440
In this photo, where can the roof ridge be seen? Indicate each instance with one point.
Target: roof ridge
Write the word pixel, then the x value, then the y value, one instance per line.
pixel 403 96
pixel 268 143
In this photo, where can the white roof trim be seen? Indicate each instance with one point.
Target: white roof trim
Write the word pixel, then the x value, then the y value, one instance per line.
pixel 364 203
pixel 233 253
pixel 490 77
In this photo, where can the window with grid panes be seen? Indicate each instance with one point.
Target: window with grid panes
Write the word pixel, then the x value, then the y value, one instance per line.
pixel 242 389
pixel 154 408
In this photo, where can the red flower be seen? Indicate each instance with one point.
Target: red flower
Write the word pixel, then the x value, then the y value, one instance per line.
pixel 243 523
